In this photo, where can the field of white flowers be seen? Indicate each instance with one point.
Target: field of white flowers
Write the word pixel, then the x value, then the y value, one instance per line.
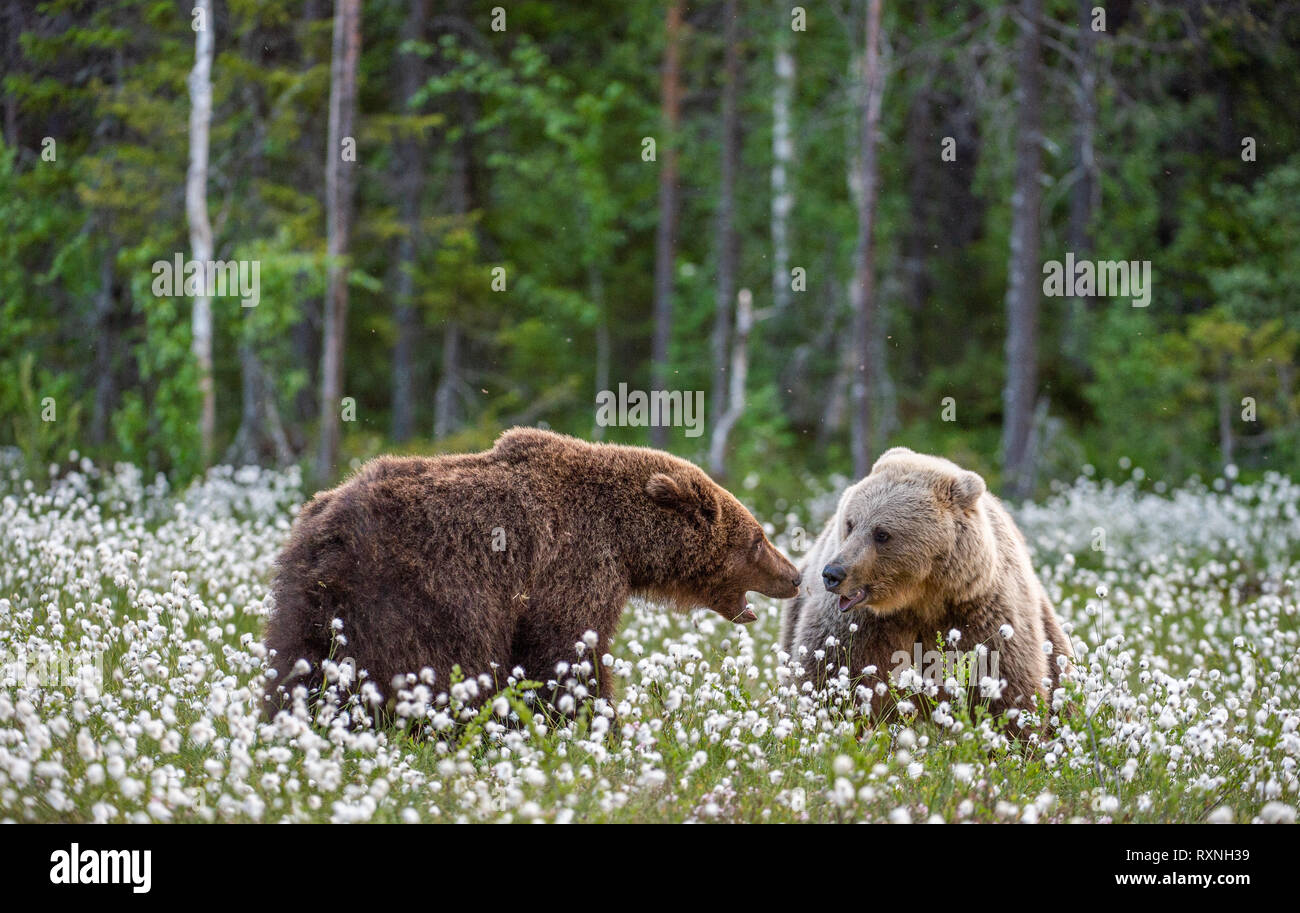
pixel 130 618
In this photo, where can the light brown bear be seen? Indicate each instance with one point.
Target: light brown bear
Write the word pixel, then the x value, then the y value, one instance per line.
pixel 917 549
pixel 505 559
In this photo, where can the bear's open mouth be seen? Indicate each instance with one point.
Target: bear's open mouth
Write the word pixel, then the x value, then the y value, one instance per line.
pixel 852 599
pixel 746 613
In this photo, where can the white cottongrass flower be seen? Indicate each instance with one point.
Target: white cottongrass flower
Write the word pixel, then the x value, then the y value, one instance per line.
pixel 1277 813
pixel 173 586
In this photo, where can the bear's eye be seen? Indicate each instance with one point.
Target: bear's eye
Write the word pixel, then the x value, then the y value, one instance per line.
pixel 848 526
pixel 880 535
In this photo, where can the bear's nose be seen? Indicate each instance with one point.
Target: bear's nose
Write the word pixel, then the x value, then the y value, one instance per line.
pixel 797 579
pixel 833 575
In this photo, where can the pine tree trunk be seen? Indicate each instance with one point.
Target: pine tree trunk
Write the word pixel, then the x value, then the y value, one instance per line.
pixel 9 57
pixel 596 289
pixel 920 130
pixel 862 293
pixel 666 236
pixel 261 437
pixel 306 332
pixel 1083 195
pixel 727 242
pixel 446 412
pixel 1020 392
pixel 1227 441
pixel 410 159
pixel 339 180
pixel 782 166
pixel 106 345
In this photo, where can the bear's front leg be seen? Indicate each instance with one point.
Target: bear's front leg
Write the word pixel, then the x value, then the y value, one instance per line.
pixel 550 636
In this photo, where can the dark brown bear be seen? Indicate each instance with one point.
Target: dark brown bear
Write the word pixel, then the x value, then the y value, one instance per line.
pixel 506 558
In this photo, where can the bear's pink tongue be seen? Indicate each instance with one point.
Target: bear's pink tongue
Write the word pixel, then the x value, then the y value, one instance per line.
pixel 746 616
pixel 849 601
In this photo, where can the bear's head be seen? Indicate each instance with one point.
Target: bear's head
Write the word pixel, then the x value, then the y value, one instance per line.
pixel 719 552
pixel 909 535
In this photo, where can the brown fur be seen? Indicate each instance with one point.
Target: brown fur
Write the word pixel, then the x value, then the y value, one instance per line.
pixel 954 559
pixel 403 553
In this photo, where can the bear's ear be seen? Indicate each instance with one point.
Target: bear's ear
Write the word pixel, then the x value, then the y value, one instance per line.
pixel 668 493
pixel 964 489
pixel 664 491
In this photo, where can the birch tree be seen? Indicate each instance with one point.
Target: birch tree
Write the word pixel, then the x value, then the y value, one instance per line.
pixel 196 213
pixel 738 377
pixel 1020 391
pixel 340 159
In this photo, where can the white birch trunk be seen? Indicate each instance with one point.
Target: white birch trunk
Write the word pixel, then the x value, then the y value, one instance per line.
pixel 196 212
pixel 737 379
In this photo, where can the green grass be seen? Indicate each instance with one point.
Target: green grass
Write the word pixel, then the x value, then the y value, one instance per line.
pixel 1185 704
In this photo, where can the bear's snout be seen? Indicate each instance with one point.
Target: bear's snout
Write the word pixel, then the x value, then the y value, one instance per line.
pixel 783 577
pixel 794 580
pixel 833 575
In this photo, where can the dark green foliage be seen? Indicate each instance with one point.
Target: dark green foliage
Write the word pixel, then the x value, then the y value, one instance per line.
pixel 553 112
